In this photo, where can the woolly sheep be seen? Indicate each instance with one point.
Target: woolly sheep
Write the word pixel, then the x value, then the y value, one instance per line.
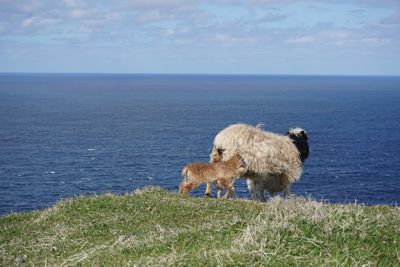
pixel 274 161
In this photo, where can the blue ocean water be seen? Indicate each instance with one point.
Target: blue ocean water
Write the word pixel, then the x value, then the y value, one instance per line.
pixel 63 135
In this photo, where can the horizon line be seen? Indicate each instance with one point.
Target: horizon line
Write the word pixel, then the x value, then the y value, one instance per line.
pixel 197 74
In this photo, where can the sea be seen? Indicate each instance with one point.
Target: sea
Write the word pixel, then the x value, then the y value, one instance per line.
pixel 66 135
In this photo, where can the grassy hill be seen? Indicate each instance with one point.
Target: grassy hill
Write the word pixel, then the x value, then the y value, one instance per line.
pixel 155 227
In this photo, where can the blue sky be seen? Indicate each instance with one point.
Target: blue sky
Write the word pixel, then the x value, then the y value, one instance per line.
pixel 349 37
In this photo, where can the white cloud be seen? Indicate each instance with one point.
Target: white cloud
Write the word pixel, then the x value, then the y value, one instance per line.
pixel 153 16
pixel 300 40
pixel 38 21
pixel 272 18
pixel 337 35
pixel 73 3
pixel 207 23
pixel 363 42
pixel 77 13
pixel 168 32
pixel 28 22
pixel 392 19
pixel 228 39
pixel 162 6
pixel 31 6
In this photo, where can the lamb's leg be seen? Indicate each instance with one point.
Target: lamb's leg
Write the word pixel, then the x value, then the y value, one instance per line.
pixel 208 190
pixel 219 188
pixel 229 188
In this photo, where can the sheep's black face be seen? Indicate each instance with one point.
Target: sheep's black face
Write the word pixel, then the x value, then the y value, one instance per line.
pixel 300 139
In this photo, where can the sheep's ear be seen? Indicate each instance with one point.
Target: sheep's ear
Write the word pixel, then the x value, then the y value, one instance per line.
pixel 292 135
pixel 304 135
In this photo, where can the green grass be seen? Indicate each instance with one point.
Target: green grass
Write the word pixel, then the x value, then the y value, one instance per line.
pixel 153 227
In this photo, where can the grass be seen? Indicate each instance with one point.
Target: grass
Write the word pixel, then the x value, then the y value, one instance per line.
pixel 152 227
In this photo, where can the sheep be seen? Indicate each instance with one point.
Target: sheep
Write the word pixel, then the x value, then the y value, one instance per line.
pixel 272 183
pixel 224 173
pixel 274 161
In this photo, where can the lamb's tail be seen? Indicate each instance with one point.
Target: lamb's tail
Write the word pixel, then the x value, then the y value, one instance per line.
pixel 185 172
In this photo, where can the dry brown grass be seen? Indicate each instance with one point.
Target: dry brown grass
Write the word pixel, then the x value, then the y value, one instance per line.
pixel 152 227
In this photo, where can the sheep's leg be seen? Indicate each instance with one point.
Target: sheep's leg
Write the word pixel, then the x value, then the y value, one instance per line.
pixel 272 193
pixel 261 193
pixel 256 188
pixel 251 188
pixel 208 189
pixel 286 193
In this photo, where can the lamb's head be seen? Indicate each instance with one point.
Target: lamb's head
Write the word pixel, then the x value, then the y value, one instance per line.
pixel 300 140
pixel 216 154
pixel 184 188
pixel 240 164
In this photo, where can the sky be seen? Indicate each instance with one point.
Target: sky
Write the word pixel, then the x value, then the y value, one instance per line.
pixel 327 37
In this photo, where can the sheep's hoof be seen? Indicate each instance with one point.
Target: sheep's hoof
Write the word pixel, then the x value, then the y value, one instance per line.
pixel 207 195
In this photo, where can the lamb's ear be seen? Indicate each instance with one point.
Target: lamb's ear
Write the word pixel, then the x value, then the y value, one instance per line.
pixel 220 151
pixel 243 163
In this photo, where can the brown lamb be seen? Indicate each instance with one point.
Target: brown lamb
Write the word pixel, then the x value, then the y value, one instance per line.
pixel 223 172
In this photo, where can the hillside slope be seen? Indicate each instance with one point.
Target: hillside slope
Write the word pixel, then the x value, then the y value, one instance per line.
pixel 155 227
